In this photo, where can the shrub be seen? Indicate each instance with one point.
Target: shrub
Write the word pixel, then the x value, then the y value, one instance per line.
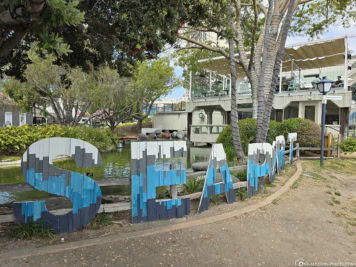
pixel 30 230
pixel 241 194
pixel 248 128
pixel 96 136
pixel 16 139
pixel 349 145
pixel 241 175
pixel 193 185
pixel 307 130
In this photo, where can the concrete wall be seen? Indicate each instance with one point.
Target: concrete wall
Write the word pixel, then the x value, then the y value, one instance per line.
pixel 175 121
pixel 217 118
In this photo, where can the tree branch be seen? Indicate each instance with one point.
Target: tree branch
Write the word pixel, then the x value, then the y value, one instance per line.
pixel 208 47
pixel 11 42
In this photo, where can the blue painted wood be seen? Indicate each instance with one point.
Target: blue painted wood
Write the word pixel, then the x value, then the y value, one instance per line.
pixel 40 173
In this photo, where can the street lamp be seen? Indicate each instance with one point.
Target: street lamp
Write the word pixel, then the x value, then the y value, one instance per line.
pixel 324 87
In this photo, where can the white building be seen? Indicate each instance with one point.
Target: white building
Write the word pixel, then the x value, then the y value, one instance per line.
pixel 209 103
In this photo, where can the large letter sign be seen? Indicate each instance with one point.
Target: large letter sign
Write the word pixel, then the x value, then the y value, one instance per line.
pixel 39 171
pixel 148 172
pixel 273 170
pixel 273 160
pixel 217 159
pixel 255 169
pixel 280 148
pixel 292 137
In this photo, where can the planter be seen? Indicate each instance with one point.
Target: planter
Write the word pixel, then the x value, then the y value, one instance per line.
pixel 348 155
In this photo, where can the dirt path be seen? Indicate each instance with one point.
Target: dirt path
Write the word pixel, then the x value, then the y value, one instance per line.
pixel 315 220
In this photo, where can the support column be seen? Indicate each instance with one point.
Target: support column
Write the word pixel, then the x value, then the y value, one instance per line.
pixel 279 115
pixel 346 67
pixel 280 78
pixel 344 122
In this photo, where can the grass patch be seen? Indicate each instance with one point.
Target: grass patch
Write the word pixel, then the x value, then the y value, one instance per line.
pixel 193 185
pixel 275 201
pixel 335 200
pixel 270 185
pixel 241 194
pixel 101 219
pixel 337 193
pixel 6 158
pixel 162 192
pixel 30 195
pixel 214 199
pixel 296 184
pixel 122 190
pixel 30 230
pixel 241 175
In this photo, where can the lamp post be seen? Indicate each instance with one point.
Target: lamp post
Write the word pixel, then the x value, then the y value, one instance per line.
pixel 324 87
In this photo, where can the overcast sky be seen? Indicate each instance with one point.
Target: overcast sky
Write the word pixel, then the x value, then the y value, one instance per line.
pixel 334 32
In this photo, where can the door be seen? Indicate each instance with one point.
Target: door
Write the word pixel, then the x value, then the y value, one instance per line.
pixel 309 113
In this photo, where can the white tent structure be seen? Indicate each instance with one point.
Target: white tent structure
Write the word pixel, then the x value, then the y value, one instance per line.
pixel 301 56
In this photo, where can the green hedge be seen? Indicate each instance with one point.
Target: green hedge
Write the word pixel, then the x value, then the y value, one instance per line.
pixel 349 145
pixel 308 133
pixel 14 140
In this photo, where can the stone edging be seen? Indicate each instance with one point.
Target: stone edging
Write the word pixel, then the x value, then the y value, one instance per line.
pixel 23 253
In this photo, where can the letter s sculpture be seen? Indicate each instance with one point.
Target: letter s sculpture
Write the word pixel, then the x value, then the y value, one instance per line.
pixel 39 171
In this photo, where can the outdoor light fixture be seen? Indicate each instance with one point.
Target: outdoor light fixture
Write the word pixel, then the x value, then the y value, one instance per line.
pixel 201 116
pixel 324 87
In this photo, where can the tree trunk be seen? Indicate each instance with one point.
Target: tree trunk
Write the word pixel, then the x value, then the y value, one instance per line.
pixel 276 70
pixel 234 115
pixel 139 123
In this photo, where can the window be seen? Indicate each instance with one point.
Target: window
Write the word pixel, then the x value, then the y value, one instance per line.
pixel 310 113
pixel 291 111
pixel 332 114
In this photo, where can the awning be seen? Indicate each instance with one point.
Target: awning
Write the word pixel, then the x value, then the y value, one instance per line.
pixel 309 55
pixel 314 55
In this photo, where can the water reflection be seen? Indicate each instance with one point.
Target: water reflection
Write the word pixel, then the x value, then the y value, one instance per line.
pixel 5 197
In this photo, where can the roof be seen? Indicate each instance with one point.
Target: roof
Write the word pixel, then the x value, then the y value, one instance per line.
pixel 308 55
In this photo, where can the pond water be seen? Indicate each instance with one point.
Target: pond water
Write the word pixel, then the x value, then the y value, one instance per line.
pixel 116 165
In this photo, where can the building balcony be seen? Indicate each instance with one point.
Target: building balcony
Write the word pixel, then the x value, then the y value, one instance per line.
pixel 207 133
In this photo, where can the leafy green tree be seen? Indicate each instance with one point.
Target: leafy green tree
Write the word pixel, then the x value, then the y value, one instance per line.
pixel 151 80
pixel 86 33
pixel 66 91
pixel 315 17
pixel 111 102
pixel 257 30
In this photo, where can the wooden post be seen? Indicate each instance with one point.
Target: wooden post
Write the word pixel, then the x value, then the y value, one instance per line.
pixel 297 151
pixel 174 191
pixel 338 146
pixel 328 140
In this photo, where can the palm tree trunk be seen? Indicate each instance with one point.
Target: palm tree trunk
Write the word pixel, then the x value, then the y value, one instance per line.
pixel 276 70
pixel 234 115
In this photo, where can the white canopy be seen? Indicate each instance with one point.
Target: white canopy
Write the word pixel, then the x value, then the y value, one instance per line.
pixel 314 55
pixel 309 55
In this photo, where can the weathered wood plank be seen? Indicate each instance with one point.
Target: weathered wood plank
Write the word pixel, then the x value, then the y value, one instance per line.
pixel 311 158
pixel 315 149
